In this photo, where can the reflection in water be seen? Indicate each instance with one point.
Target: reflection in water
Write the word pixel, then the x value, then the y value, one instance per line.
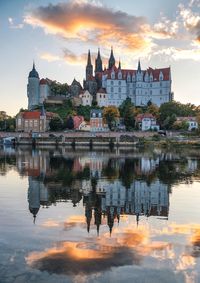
pixel 115 193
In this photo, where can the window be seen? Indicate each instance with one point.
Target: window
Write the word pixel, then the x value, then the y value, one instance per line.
pixel 19 122
pixel 119 82
pixel 111 89
pixel 119 89
pixel 112 82
pixel 35 123
pixel 160 91
pixel 160 84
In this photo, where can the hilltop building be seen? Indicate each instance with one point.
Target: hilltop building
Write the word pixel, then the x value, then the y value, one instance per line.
pixel 142 86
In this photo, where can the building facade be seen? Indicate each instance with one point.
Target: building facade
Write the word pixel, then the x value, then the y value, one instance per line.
pixel 33 121
pixel 142 86
pixel 146 122
pixel 96 121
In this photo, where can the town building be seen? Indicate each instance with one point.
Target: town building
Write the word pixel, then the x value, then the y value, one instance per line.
pixel 86 98
pixel 96 121
pixel 142 86
pixel 78 120
pixel 33 121
pixel 102 98
pixel 191 121
pixel 146 122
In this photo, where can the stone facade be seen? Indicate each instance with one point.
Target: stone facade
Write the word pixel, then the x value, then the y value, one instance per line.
pixel 33 121
pixel 142 86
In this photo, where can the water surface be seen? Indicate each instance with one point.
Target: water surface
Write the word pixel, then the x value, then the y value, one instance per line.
pixel 99 216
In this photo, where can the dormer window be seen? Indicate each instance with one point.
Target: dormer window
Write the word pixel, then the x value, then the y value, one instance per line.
pixel 161 76
pixel 113 75
pixel 93 114
pixel 120 75
pixel 128 78
pixel 151 77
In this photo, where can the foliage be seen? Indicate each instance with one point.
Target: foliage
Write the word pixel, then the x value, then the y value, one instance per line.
pixel 154 110
pixel 56 124
pixel 84 111
pixel 127 111
pixel 110 114
pixel 7 123
pixel 180 125
pixel 169 110
pixel 58 88
pixel 63 110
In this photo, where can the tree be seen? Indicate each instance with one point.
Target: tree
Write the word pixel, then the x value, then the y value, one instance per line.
pixel 176 108
pixel 153 109
pixel 70 123
pixel 56 124
pixel 127 111
pixel 110 114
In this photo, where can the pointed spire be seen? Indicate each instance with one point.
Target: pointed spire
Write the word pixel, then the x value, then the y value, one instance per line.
pixel 89 63
pixel 98 62
pixel 119 67
pixel 139 67
pixel 111 61
pixel 137 218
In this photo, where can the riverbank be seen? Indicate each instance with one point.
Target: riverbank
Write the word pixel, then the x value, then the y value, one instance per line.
pixel 111 139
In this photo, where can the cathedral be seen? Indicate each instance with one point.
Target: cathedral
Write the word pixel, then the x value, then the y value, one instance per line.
pixel 117 84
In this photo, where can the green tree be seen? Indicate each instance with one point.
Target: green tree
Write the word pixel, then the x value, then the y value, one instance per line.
pixel 111 114
pixel 127 112
pixel 56 124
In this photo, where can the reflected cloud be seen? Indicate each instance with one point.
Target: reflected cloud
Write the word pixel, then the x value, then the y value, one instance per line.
pixel 127 246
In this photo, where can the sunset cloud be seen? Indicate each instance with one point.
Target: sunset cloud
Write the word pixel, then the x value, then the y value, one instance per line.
pixel 88 22
pixel 91 23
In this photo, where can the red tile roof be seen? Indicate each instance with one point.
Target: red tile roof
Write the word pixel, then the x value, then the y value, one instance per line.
pixel 43 82
pixel 140 117
pixel 155 73
pixel 31 115
pixel 101 90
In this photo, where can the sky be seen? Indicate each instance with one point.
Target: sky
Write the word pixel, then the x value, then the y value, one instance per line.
pixel 57 34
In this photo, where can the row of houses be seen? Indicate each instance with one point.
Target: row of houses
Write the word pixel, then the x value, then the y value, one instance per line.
pixel 38 121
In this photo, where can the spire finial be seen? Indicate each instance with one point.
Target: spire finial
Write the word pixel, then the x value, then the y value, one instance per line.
pixel 119 64
pixel 89 58
pixel 139 66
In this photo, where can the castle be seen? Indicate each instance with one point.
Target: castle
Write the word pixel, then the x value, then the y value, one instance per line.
pixel 141 86
pixel 110 86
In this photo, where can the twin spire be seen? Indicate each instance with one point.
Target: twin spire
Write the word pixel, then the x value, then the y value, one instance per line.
pixel 98 63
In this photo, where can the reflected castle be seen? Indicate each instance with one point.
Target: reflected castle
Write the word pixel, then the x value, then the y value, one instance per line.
pixel 107 184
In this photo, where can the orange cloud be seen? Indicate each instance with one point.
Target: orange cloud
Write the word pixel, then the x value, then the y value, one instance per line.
pixel 88 22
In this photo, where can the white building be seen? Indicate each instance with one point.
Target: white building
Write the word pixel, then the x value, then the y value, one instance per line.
pixel 102 98
pixel 86 98
pixel 141 86
pixel 147 122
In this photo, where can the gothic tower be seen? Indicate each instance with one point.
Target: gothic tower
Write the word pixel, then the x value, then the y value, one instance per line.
pixel 33 88
pixel 89 67
pixel 111 61
pixel 98 63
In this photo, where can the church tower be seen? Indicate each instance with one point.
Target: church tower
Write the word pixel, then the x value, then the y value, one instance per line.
pixel 111 61
pixel 98 63
pixel 89 67
pixel 33 88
